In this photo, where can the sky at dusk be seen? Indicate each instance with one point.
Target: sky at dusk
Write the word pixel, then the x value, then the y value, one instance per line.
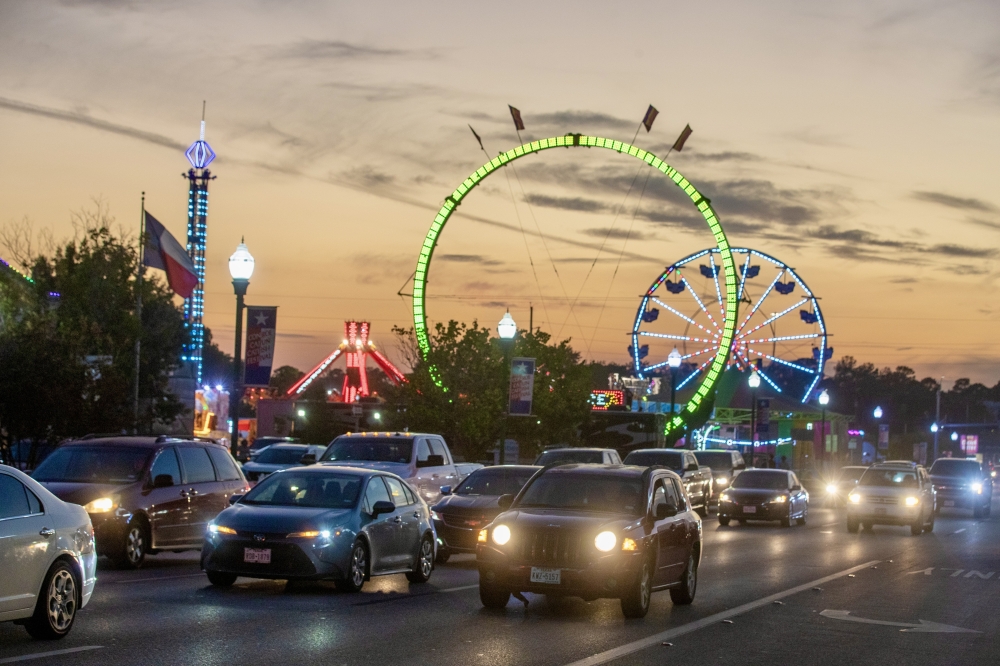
pixel 856 141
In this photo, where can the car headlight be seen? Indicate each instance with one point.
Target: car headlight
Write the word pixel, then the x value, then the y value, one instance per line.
pixel 435 515
pixel 482 535
pixel 976 488
pixel 724 497
pixel 220 529
pixel 912 501
pixel 100 505
pixel 855 498
pixel 313 534
pixel 629 544
pixel 993 474
pixel 722 481
pixel 780 499
pixel 501 535
pixel 832 488
pixel 605 541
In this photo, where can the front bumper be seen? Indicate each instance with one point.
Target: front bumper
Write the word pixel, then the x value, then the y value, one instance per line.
pixel 109 531
pixel 961 498
pixel 768 511
pixel 893 514
pixel 604 577
pixel 306 559
pixel 457 539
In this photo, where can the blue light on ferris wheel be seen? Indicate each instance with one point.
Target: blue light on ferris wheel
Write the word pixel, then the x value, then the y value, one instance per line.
pixel 200 154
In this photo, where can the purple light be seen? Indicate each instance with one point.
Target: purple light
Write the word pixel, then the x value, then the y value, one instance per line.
pixel 200 154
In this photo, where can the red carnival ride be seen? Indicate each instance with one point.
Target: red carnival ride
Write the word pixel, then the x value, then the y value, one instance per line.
pixel 357 348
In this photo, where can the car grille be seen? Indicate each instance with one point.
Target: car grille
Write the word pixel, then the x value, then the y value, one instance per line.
pixel 562 548
pixel 286 558
pixel 875 499
pixel 465 522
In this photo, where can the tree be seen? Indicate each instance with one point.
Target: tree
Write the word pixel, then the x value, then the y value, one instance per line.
pixel 216 365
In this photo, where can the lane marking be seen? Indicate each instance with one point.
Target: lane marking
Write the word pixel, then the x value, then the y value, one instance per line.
pixel 923 627
pixel 656 639
pixel 146 580
pixel 54 653
pixel 459 589
pixel 958 531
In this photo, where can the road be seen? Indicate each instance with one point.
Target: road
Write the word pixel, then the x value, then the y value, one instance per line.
pixel 767 595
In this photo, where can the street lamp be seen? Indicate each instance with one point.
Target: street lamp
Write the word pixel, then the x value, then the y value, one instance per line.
pixel 674 361
pixel 878 413
pixel 240 268
pixel 824 400
pixel 507 329
pixel 754 383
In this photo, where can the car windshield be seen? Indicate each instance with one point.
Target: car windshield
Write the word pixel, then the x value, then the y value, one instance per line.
pixel 717 460
pixel 945 467
pixel 275 456
pixel 585 492
pixel 762 480
pixel 494 482
pixel 851 473
pixel 94 464
pixel 889 478
pixel 549 457
pixel 261 442
pixel 672 459
pixel 326 491
pixel 370 449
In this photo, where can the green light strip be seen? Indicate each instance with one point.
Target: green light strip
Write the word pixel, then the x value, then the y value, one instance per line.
pixel 701 203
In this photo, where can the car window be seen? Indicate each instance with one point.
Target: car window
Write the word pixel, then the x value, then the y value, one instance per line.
pixel 375 492
pixel 423 450
pixel 306 489
pixel 659 496
pixel 34 504
pixel 793 481
pixel 166 464
pixel 439 449
pixel 224 464
pixel 397 492
pixel 673 494
pixel 197 466
pixel 411 497
pixel 13 500
pixel 889 478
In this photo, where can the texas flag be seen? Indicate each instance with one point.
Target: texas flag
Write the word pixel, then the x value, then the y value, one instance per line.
pixel 164 252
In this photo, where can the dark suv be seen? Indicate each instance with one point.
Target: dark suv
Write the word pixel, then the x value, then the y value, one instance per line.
pixel 144 494
pixel 593 531
pixel 725 464
pixel 962 484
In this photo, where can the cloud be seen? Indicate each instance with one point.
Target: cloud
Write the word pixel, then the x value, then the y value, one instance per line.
pixel 903 280
pixel 951 250
pixel 384 93
pixel 858 243
pixel 366 176
pixel 568 203
pixel 470 259
pixel 611 232
pixel 985 223
pixel 321 49
pixel 578 120
pixel 959 203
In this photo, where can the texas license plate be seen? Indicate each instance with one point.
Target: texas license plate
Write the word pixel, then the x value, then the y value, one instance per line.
pixel 749 509
pixel 548 576
pixel 879 511
pixel 949 503
pixel 257 555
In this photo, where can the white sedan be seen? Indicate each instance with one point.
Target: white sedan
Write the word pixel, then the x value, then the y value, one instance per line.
pixel 47 557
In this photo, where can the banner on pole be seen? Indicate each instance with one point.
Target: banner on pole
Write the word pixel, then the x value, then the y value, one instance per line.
pixel 763 416
pixel 883 435
pixel 522 384
pixel 260 346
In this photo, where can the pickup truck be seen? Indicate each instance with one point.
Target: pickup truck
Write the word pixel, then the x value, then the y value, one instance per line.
pixel 697 478
pixel 423 460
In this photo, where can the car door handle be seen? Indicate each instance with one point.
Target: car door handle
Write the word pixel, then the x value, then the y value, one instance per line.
pixel 185 493
pixel 193 491
pixel 416 514
pixel 397 519
pixel 46 532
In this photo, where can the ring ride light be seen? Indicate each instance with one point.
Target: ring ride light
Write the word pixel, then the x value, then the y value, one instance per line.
pixel 700 202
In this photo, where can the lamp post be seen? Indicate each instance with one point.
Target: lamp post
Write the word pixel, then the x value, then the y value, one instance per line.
pixel 674 361
pixel 824 400
pixel 754 383
pixel 937 419
pixel 506 329
pixel 240 268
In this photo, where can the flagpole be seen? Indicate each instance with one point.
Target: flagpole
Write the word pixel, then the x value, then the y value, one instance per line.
pixel 138 311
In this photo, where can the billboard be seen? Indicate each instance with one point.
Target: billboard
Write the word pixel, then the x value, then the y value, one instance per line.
pixel 602 400
pixel 522 384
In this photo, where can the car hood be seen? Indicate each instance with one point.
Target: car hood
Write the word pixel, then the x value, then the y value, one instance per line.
pixel 942 480
pixel 399 469
pixel 754 494
pixel 249 518
pixel 572 520
pixel 261 467
pixel 464 504
pixel 82 493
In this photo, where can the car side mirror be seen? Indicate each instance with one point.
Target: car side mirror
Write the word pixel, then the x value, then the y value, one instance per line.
pixel 446 490
pixel 692 467
pixel 796 487
pixel 431 461
pixel 308 459
pixel 740 467
pixel 505 502
pixel 233 499
pixel 381 507
pixel 163 481
pixel 665 511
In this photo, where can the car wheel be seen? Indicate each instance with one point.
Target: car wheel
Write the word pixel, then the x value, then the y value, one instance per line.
pixel 356 569
pixel 702 510
pixel 493 597
pixel 787 520
pixel 929 527
pixel 635 603
pixel 802 520
pixel 425 563
pixel 221 579
pixel 57 604
pixel 135 545
pixel 443 556
pixel 977 512
pixel 684 594
pixel 937 508
pixel 723 520
pixel 741 521
pixel 867 527
pixel 853 525
pixel 917 528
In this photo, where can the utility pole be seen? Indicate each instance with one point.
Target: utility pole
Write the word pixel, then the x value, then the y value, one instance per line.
pixel 937 419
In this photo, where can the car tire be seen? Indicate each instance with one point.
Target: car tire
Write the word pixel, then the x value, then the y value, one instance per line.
pixel 357 569
pixel 684 595
pixel 937 508
pixel 443 556
pixel 929 527
pixel 853 525
pixel 723 520
pixel 917 528
pixel 134 546
pixel 741 521
pixel 57 604
pixel 221 578
pixel 787 520
pixel 635 602
pixel 424 565
pixel 493 597
pixel 867 527
pixel 977 512
pixel 801 521
pixel 702 510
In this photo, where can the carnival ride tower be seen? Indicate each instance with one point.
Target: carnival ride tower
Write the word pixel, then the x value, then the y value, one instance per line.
pixel 356 348
pixel 200 155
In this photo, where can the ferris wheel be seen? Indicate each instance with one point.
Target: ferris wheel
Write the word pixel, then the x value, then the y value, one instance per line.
pixel 780 330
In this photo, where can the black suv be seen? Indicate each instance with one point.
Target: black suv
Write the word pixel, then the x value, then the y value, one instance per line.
pixel 593 531
pixel 962 484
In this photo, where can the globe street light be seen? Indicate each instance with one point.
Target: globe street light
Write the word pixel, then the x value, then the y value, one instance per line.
pixel 240 268
pixel 507 329
pixel 878 413
pixel 824 400
pixel 754 383
pixel 674 361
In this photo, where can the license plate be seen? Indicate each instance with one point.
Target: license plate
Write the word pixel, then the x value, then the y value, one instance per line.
pixel 879 511
pixel 548 576
pixel 949 503
pixel 749 509
pixel 257 555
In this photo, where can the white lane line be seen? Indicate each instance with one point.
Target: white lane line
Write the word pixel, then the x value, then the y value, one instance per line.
pixel 643 643
pixel 54 653
pixel 459 589
pixel 959 531
pixel 147 580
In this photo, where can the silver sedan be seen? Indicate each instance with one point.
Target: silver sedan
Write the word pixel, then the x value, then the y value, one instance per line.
pixel 47 557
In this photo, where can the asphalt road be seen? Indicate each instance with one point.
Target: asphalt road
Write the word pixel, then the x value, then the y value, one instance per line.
pixel 767 595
